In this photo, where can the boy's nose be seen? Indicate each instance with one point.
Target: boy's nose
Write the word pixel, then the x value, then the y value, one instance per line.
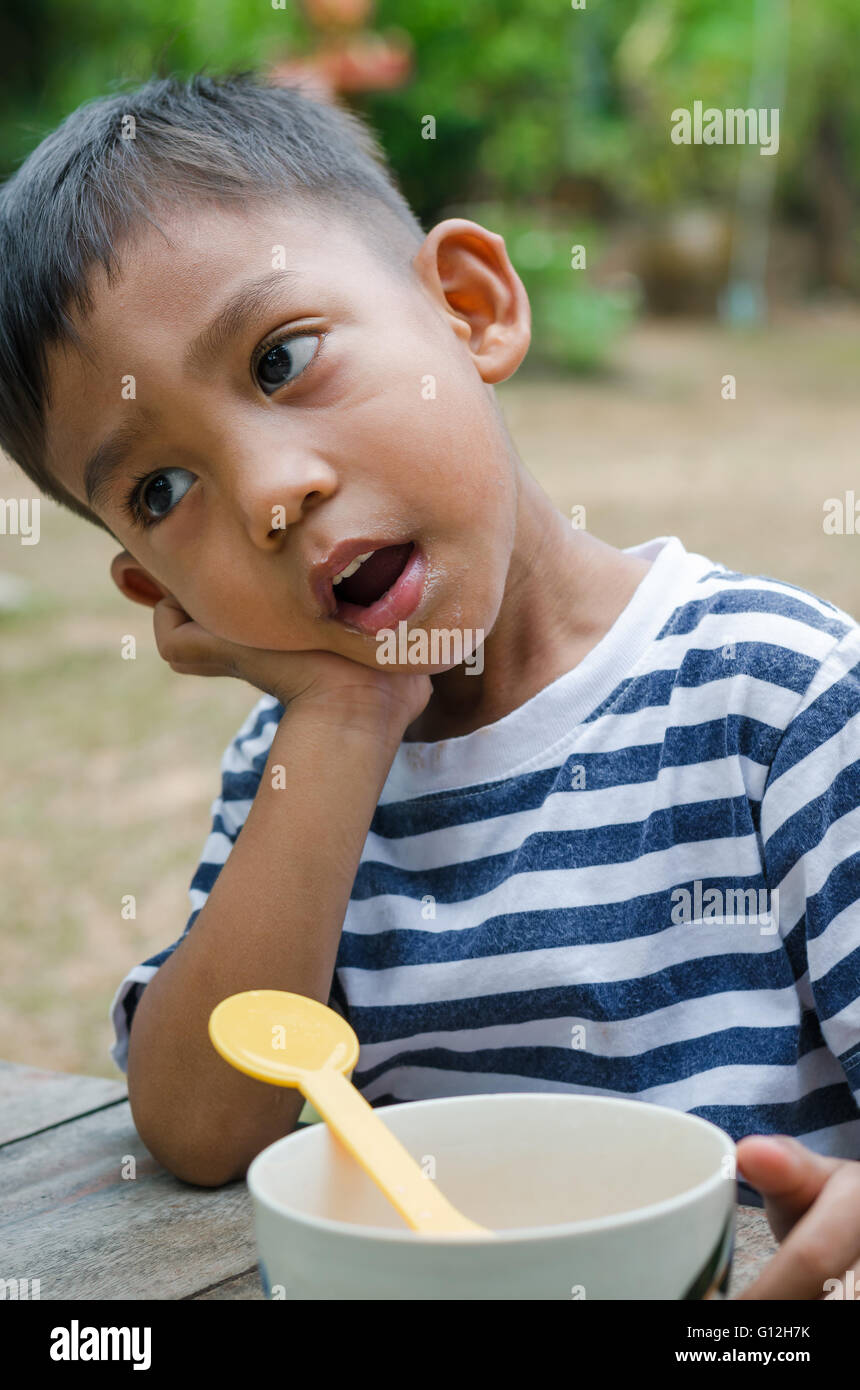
pixel 270 495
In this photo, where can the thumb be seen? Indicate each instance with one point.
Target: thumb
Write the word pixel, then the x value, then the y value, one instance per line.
pixel 787 1174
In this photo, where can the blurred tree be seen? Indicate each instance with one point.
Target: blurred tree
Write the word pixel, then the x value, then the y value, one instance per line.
pixel 529 100
pixel 533 103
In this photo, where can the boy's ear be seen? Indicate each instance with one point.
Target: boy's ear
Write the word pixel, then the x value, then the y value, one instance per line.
pixel 468 269
pixel 134 581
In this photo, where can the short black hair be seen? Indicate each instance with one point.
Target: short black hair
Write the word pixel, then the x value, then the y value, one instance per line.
pixel 216 140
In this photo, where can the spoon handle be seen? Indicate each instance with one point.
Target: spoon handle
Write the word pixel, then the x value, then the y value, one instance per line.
pixel 383 1157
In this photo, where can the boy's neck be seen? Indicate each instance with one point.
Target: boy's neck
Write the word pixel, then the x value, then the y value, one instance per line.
pixel 564 591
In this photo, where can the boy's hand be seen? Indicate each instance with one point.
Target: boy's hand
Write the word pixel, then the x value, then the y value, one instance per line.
pixel 813 1206
pixel 346 688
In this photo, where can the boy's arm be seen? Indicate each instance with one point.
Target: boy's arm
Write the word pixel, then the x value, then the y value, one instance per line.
pixel 272 921
pixel 810 822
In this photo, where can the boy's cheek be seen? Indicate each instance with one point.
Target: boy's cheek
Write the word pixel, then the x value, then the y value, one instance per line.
pixel 249 622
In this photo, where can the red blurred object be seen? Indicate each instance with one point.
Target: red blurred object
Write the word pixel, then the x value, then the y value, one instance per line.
pixel 350 14
pixel 367 62
pixel 363 62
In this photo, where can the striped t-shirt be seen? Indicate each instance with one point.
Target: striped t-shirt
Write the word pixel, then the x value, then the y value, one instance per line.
pixel 536 905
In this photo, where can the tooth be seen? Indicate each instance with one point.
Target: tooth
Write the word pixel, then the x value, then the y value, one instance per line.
pixel 352 567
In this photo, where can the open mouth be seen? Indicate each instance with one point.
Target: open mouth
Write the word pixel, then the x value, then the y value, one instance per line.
pixel 380 588
pixel 368 577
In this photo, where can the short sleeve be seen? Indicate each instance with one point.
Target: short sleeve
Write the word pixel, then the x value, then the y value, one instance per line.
pixel 242 767
pixel 810 828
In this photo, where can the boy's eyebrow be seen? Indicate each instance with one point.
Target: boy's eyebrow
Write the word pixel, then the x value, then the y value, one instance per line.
pixel 244 304
pixel 107 459
pixel 248 301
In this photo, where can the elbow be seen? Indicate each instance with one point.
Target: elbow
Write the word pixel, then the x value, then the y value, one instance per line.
pixel 178 1138
pixel 202 1136
pixel 200 1164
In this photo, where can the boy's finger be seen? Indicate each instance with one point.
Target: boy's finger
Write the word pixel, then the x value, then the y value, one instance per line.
pixel 169 612
pixel 825 1243
pixel 181 640
pixel 167 616
pixel 173 604
pixel 787 1174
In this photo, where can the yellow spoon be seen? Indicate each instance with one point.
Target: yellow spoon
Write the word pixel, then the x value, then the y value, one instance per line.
pixel 291 1040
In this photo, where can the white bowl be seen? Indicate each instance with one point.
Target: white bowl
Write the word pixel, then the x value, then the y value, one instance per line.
pixel 591 1197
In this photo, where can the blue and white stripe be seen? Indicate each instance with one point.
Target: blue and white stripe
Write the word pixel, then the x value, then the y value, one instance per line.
pixel 713 736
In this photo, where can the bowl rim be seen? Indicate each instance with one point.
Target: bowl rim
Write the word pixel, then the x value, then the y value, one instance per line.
pixel 515 1235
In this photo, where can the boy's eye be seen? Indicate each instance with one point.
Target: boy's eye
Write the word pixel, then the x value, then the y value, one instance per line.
pixel 283 360
pixel 154 496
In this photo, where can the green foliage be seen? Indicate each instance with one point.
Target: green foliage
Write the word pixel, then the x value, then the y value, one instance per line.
pixel 494 75
pixel 574 322
pixel 54 55
pixel 523 95
pixel 531 101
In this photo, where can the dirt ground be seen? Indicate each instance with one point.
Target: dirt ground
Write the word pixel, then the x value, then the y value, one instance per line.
pixel 110 766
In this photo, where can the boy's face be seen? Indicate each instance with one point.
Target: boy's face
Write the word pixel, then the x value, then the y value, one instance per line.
pixel 373 428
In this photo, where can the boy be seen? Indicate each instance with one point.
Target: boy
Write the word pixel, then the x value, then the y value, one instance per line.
pixel 225 339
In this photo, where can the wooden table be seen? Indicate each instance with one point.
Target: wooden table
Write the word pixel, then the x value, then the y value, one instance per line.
pixel 86 1210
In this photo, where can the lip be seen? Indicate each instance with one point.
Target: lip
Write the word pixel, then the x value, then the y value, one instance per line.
pixel 343 554
pixel 337 560
pixel 396 603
